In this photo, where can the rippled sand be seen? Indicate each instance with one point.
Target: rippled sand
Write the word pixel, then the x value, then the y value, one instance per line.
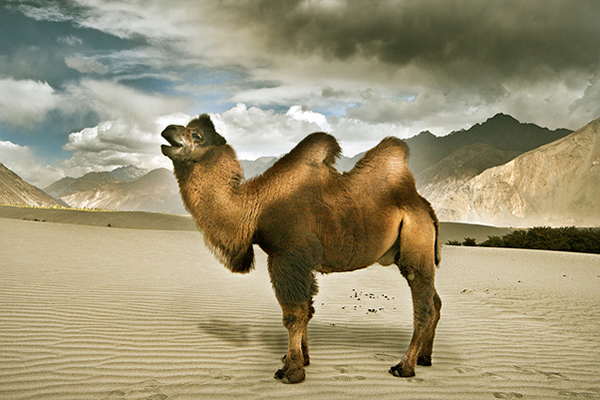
pixel 90 312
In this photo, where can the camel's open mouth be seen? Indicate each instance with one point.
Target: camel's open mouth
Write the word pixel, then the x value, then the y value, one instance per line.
pixel 171 135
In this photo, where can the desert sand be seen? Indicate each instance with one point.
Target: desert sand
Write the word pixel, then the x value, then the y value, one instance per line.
pixel 98 312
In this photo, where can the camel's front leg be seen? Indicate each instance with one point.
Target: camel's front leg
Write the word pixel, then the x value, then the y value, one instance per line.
pixel 295 319
pixel 311 312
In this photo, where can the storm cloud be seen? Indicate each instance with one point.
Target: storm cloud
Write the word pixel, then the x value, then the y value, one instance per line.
pixel 458 39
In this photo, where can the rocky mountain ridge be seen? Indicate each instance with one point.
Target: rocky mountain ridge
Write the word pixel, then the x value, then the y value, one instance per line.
pixel 121 189
pixel 14 190
pixel 501 131
pixel 556 184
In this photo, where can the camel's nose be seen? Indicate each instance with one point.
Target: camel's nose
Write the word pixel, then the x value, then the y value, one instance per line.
pixel 170 130
pixel 172 135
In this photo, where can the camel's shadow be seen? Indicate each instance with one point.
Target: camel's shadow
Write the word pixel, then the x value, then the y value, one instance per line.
pixel 272 336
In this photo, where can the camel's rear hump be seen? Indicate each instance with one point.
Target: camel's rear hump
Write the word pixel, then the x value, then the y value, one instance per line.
pixel 390 152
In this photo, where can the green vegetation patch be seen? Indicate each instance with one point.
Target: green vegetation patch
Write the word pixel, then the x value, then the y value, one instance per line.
pixel 580 240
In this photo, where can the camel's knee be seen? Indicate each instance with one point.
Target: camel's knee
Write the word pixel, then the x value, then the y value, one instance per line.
pixel 295 315
pixel 293 322
pixel 311 309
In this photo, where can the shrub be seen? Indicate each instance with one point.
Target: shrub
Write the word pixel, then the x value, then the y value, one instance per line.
pixel 469 242
pixel 584 240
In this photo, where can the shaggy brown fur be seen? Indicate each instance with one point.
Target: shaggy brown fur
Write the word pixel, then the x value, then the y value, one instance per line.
pixel 310 218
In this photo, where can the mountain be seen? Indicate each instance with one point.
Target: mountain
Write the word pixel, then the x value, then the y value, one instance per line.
pixel 128 173
pixel 15 191
pixel 345 164
pixel 440 182
pixel 121 190
pixel 502 132
pixel 555 184
pixel 257 167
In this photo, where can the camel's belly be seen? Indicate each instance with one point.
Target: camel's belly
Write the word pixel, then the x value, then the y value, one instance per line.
pixel 374 246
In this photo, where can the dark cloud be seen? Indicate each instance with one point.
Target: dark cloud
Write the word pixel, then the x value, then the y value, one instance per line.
pixel 461 40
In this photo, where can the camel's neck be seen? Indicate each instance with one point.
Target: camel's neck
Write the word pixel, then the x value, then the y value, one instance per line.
pixel 211 192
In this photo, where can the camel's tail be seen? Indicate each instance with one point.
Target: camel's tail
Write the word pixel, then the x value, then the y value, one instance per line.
pixel 436 224
pixel 438 243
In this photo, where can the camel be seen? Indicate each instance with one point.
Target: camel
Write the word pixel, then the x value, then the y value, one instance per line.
pixel 308 218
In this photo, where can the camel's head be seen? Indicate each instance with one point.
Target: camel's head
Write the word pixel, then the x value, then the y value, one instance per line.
pixel 189 143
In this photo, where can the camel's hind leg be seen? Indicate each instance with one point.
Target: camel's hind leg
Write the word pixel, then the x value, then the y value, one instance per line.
pixel 427 348
pixel 417 264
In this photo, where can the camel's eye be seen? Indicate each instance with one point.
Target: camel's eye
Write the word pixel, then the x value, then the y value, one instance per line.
pixel 198 139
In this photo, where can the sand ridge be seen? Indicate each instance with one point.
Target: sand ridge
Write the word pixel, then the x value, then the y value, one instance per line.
pixel 113 219
pixel 160 221
pixel 91 312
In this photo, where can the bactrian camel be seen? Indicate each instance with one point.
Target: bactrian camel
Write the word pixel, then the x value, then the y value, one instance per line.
pixel 308 218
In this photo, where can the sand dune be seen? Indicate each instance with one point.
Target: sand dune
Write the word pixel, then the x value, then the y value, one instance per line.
pixel 90 312
pixel 115 219
pixel 157 221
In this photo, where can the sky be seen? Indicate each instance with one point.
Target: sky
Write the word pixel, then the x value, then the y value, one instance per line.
pixel 88 85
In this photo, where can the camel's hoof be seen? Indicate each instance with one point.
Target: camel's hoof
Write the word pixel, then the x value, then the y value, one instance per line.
pixel 402 371
pixel 294 375
pixel 424 361
pixel 279 374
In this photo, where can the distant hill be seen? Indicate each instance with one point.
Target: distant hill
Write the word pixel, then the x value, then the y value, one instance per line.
pixel 256 167
pixel 15 191
pixel 556 184
pixel 440 182
pixel 121 189
pixel 128 173
pixel 502 132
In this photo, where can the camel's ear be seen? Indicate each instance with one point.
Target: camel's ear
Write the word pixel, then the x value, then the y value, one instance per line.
pixel 204 125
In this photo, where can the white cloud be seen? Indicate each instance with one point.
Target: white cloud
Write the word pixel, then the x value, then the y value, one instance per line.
pixel 116 102
pixel 112 144
pixel 50 12
pixel 86 65
pixel 24 163
pixel 129 133
pixel 457 79
pixel 70 40
pixel 390 79
pixel 299 113
pixel 589 103
pixel 254 132
pixel 24 103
